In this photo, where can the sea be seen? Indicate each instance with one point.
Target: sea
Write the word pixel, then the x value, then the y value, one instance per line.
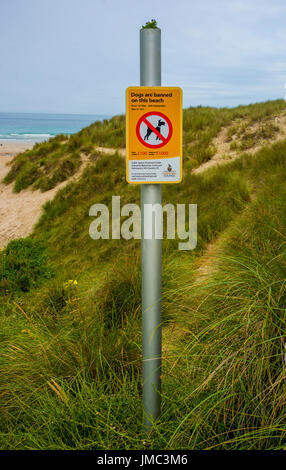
pixel 37 127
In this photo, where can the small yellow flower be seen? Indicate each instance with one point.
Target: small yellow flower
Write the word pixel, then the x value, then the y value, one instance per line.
pixel 29 333
pixel 69 283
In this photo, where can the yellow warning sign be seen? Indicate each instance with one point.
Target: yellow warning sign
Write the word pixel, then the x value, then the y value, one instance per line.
pixel 153 135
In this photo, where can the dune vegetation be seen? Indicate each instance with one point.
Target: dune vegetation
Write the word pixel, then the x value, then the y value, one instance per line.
pixel 54 161
pixel 70 306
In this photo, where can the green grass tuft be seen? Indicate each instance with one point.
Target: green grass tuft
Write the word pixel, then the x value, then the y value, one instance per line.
pixel 23 266
pixel 150 25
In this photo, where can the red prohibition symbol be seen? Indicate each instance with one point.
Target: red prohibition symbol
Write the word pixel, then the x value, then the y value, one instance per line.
pixel 144 132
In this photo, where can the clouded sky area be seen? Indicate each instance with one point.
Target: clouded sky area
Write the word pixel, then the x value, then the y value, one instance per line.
pixel 78 56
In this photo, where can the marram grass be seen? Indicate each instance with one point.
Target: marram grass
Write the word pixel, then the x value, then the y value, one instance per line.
pixel 71 348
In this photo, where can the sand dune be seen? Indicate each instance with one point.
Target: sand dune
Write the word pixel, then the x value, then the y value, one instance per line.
pixel 19 212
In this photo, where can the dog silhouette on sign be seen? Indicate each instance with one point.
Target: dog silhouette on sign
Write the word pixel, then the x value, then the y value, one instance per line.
pixel 158 128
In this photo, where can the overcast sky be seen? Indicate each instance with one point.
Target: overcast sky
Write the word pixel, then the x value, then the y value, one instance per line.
pixel 78 56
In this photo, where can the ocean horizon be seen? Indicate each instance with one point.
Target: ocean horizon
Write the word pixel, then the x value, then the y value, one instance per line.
pixel 37 127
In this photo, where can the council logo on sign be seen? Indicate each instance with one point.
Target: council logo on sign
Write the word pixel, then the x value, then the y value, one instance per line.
pixel 154 129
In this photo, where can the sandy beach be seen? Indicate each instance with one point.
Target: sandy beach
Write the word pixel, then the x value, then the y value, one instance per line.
pixel 10 148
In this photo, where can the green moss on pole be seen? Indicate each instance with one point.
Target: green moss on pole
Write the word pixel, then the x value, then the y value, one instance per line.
pixel 150 24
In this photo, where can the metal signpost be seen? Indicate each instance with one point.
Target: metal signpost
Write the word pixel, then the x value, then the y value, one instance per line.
pixel 153 121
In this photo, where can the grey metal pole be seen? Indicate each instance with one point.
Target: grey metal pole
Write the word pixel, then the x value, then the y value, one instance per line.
pixel 151 252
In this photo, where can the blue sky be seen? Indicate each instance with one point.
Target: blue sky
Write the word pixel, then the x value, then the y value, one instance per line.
pixel 78 56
